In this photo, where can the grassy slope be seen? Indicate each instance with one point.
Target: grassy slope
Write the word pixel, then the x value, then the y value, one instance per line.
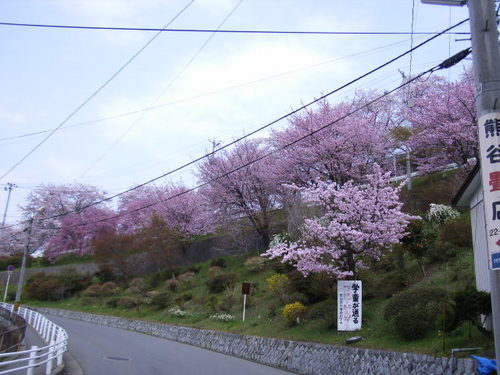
pixel 449 273
pixel 377 332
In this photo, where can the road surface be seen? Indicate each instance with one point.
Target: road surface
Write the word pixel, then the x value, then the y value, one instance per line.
pixel 103 350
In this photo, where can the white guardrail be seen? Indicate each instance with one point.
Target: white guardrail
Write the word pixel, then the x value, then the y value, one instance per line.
pixel 55 337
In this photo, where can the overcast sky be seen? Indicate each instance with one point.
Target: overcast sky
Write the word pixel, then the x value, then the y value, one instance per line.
pixel 234 84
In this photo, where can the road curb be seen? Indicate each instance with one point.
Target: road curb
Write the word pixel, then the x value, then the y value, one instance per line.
pixel 70 365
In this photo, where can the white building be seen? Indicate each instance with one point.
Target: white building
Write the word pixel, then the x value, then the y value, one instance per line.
pixel 471 195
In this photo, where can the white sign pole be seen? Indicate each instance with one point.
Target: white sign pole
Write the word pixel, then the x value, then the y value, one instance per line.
pixel 244 305
pixel 7 286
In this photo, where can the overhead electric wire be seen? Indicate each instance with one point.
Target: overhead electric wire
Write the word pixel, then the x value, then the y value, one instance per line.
pixel 186 66
pixel 93 94
pixel 264 126
pixel 386 93
pixel 222 31
pixel 183 100
pixel 437 67
pixel 3 240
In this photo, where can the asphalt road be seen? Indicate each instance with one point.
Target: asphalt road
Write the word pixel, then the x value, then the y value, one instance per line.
pixel 103 350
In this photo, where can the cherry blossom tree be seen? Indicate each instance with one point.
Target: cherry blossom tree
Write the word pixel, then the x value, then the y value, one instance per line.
pixel 344 150
pixel 442 118
pixel 48 201
pixel 180 208
pixel 359 222
pixel 237 188
pixel 12 240
pixel 78 230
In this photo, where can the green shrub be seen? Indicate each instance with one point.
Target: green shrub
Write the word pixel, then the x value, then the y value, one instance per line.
pixel 113 302
pixel 294 312
pixel 468 306
pixel 211 302
pixel 73 281
pixel 138 283
pixel 172 285
pixel 39 262
pixel 220 282
pixel 159 277
pixel 160 299
pixel 94 290
pixel 325 310
pixel 88 300
pixel 279 267
pixel 219 262
pixel 414 312
pixel 47 289
pixel 194 269
pixel 414 324
pixel 458 233
pixel 55 287
pixel 388 284
pixel 186 279
pixel 214 271
pixel 442 251
pixel 230 297
pixel 297 297
pixel 255 264
pixel 105 274
pixel 317 287
pixel 14 260
pixel 321 287
pixel 109 289
pixel 127 302
pixel 181 299
pixel 462 271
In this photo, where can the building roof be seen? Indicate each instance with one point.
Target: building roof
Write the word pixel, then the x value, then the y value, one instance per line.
pixel 471 185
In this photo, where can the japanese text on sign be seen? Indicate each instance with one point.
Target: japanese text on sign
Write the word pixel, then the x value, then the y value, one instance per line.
pixel 349 305
pixel 489 144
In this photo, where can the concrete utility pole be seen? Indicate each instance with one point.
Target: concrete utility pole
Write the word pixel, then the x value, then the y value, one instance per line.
pixel 10 186
pixel 486 65
pixel 20 283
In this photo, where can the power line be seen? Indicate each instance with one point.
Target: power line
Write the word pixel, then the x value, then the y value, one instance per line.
pixel 93 95
pixel 431 70
pixel 439 66
pixel 183 100
pixel 223 31
pixel 186 66
pixel 264 126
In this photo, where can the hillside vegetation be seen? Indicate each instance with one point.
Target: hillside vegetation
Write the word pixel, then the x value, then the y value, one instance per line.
pixel 419 297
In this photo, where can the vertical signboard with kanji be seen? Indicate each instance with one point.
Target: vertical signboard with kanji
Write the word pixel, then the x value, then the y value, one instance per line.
pixel 349 305
pixel 489 144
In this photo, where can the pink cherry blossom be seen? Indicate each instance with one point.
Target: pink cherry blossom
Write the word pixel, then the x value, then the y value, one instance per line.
pixel 359 222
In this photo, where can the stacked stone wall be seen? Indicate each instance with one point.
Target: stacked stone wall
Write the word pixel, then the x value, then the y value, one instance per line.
pixel 300 357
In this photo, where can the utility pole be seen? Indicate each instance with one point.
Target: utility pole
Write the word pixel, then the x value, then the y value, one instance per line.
pixel 486 65
pixel 10 186
pixel 20 283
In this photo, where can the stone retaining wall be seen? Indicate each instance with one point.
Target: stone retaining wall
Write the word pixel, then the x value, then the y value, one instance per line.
pixel 299 357
pixel 80 268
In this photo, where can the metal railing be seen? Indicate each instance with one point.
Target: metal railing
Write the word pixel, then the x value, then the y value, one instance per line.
pixel 12 336
pixel 55 337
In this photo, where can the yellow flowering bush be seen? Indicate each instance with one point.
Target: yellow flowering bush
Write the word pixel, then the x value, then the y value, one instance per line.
pixel 293 312
pixel 277 284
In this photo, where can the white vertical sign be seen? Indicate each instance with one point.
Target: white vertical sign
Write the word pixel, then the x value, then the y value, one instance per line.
pixel 489 147
pixel 349 309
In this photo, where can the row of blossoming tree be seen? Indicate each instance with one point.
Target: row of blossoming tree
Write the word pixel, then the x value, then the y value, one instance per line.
pixel 331 161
